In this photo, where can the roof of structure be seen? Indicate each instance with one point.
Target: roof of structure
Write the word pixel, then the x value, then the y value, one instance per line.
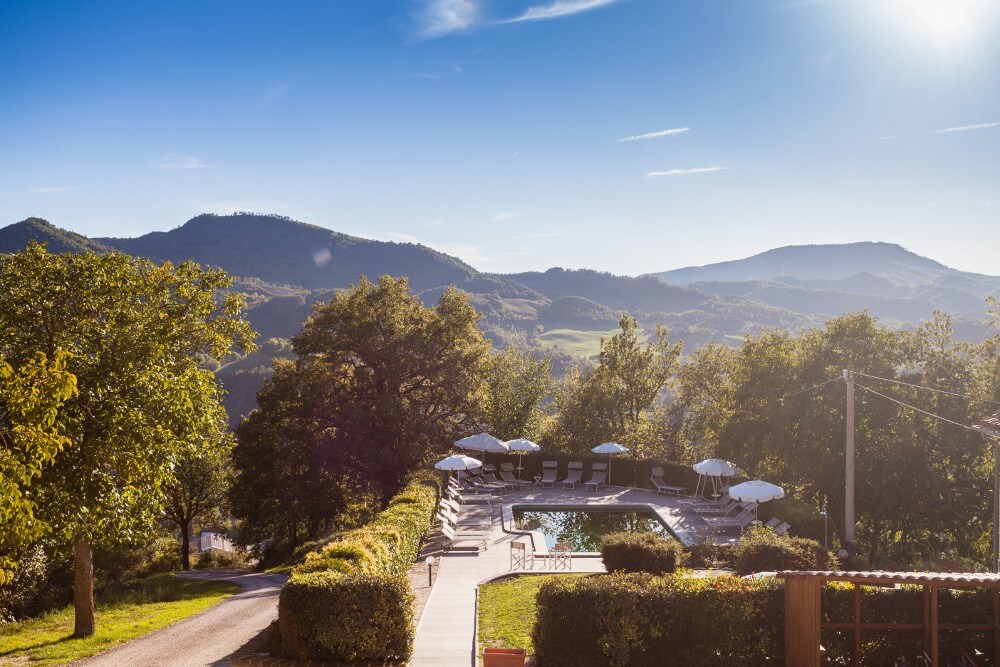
pixel 966 578
pixel 991 423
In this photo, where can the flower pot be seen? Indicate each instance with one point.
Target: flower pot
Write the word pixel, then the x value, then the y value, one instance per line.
pixel 503 657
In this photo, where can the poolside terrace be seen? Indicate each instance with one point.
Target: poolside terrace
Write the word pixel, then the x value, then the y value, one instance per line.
pixel 446 630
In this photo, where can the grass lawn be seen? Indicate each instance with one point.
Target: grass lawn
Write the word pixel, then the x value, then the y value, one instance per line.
pixel 581 343
pixel 507 610
pixel 130 611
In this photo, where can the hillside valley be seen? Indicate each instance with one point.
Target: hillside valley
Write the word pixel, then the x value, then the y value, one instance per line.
pixel 285 266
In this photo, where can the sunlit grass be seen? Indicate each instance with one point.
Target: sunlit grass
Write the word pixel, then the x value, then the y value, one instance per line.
pixel 128 612
pixel 507 610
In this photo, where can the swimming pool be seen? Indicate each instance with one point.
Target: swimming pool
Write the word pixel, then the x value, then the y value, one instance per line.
pixel 584 528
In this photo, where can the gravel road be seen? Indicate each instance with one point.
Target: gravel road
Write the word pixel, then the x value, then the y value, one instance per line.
pixel 208 638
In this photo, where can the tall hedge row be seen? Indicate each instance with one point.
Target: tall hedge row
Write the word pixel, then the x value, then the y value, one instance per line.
pixel 640 619
pixel 351 600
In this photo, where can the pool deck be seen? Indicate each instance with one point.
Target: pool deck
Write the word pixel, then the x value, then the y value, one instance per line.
pixel 446 630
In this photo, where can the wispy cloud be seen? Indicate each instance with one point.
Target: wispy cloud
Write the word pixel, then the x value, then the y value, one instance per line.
pixel 175 161
pixel 41 191
pixel 653 135
pixel 450 72
pixel 443 17
pixel 886 138
pixel 679 172
pixel 559 8
pixel 966 128
pixel 504 216
pixel 398 237
pixel 435 223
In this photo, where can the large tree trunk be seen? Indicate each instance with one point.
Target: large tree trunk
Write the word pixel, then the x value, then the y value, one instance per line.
pixel 186 545
pixel 83 587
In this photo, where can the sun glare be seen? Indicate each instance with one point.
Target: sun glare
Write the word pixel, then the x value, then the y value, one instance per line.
pixel 947 22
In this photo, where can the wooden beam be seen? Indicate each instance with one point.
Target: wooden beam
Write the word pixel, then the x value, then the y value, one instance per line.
pixel 934 625
pixel 802 622
pixel 927 619
pixel 857 625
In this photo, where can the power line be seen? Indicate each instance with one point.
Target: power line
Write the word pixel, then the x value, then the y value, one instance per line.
pixel 917 386
pixel 916 409
pixel 815 386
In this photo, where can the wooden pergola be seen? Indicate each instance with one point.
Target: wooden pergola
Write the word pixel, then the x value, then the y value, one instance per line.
pixel 803 620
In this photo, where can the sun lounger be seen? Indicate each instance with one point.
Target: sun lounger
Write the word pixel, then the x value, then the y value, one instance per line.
pixel 599 473
pixel 741 521
pixel 549 471
pixel 470 498
pixel 453 537
pixel 727 509
pixel 490 475
pixel 509 467
pixel 773 522
pixel 709 502
pixel 574 475
pixel 661 486
pixel 514 481
pixel 781 529
pixel 481 522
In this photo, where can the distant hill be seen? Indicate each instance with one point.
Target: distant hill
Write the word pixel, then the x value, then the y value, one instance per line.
pixel 833 263
pixel 17 237
pixel 285 267
pixel 890 281
pixel 280 250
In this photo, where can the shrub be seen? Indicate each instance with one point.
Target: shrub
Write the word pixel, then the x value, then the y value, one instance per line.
pixel 641 552
pixel 709 555
pixel 640 620
pixel 760 550
pixel 213 559
pixel 358 616
pixel 351 599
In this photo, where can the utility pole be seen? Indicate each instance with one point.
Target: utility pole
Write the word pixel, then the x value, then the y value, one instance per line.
pixel 849 490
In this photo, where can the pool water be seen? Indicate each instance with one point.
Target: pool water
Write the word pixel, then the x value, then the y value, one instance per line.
pixel 585 529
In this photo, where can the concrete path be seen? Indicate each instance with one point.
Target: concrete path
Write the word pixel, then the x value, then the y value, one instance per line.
pixel 446 632
pixel 208 638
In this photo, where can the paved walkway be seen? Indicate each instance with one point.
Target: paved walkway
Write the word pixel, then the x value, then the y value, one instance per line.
pixel 447 628
pixel 208 638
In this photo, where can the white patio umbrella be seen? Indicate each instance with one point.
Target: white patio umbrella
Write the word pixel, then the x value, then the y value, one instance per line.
pixel 609 448
pixel 482 442
pixel 457 462
pixel 756 491
pixel 520 445
pixel 714 468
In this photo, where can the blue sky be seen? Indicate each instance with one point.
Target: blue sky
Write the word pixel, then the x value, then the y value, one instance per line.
pixel 622 135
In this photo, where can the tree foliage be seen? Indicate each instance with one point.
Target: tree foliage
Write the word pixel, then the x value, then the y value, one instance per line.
pixel 134 333
pixel 30 439
pixel 776 406
pixel 199 489
pixel 516 385
pixel 380 382
pixel 614 401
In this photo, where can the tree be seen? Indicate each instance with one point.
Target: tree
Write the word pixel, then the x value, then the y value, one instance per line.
pixel 614 401
pixel 777 408
pixel 379 384
pixel 134 332
pixel 30 440
pixel 516 384
pixel 200 486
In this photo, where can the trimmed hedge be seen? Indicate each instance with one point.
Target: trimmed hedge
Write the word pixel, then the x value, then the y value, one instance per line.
pixel 760 550
pixel 351 600
pixel 640 620
pixel 641 552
